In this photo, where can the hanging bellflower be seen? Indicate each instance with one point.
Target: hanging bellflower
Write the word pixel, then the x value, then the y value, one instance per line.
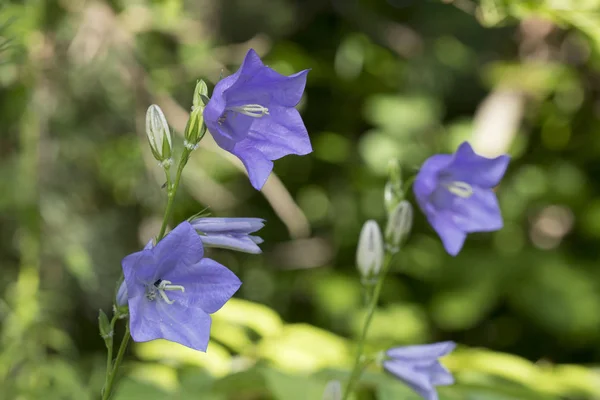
pixel 230 233
pixel 369 252
pixel 419 367
pixel 455 193
pixel 172 289
pixel 252 115
pixel 159 135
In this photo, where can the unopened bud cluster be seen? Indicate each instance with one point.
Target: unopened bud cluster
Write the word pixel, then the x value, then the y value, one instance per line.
pixel 372 244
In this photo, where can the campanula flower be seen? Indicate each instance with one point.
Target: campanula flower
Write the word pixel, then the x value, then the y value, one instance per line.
pixel 419 367
pixel 230 233
pixel 455 193
pixel 251 114
pixel 172 289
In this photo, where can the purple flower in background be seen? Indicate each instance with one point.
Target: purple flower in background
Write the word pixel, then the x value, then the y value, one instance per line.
pixel 419 368
pixel 230 233
pixel 455 193
pixel 251 114
pixel 172 289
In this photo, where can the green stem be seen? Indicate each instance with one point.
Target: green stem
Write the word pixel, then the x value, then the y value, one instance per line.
pixel 111 377
pixel 172 191
pixel 109 346
pixel 358 367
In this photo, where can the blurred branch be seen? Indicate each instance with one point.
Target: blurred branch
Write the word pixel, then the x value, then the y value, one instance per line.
pixel 400 38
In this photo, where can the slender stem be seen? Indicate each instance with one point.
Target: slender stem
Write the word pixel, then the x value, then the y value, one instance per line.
pixel 172 190
pixel 118 360
pixel 109 346
pixel 358 367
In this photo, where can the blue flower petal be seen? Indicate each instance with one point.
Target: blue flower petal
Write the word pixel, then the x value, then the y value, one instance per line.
pixel 421 351
pixel 231 242
pixel 469 167
pixel 418 382
pixel 208 285
pixel 180 248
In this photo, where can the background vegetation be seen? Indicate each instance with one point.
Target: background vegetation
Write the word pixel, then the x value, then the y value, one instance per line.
pixel 79 190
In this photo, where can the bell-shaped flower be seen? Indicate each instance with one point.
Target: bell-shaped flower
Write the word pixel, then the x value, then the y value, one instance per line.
pixel 419 367
pixel 251 114
pixel 172 289
pixel 455 193
pixel 230 233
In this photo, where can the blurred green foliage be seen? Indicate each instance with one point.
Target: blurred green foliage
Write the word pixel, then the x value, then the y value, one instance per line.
pixel 389 79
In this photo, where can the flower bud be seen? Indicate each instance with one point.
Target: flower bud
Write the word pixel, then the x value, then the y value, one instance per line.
pixel 195 128
pixel 159 135
pixel 333 391
pixel 200 95
pixel 398 226
pixel 393 191
pixel 369 254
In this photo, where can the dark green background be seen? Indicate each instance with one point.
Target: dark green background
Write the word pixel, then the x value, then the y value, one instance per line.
pixel 79 189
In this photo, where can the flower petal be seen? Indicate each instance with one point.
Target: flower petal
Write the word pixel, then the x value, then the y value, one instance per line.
pixel 208 285
pixel 426 180
pixel 181 247
pixel 279 134
pixel 228 225
pixel 422 351
pixel 139 268
pixel 267 88
pixel 467 166
pixel 257 165
pixel 231 242
pixel 478 213
pixel 175 322
pixel 439 375
pixel 452 237
pixel 417 381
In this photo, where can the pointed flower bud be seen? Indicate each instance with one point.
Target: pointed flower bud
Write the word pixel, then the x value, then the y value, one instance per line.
pixel 369 254
pixel 398 226
pixel 159 135
pixel 333 391
pixel 393 191
pixel 195 128
pixel 200 95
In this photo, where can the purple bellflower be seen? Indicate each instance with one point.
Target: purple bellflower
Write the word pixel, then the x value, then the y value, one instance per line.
pixel 251 114
pixel 455 193
pixel 172 289
pixel 419 368
pixel 230 233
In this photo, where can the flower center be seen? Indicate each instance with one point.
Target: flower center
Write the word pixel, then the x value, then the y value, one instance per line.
pixel 160 287
pixel 460 189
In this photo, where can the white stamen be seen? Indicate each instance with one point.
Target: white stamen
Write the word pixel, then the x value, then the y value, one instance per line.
pixel 251 110
pixel 163 286
pixel 459 188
